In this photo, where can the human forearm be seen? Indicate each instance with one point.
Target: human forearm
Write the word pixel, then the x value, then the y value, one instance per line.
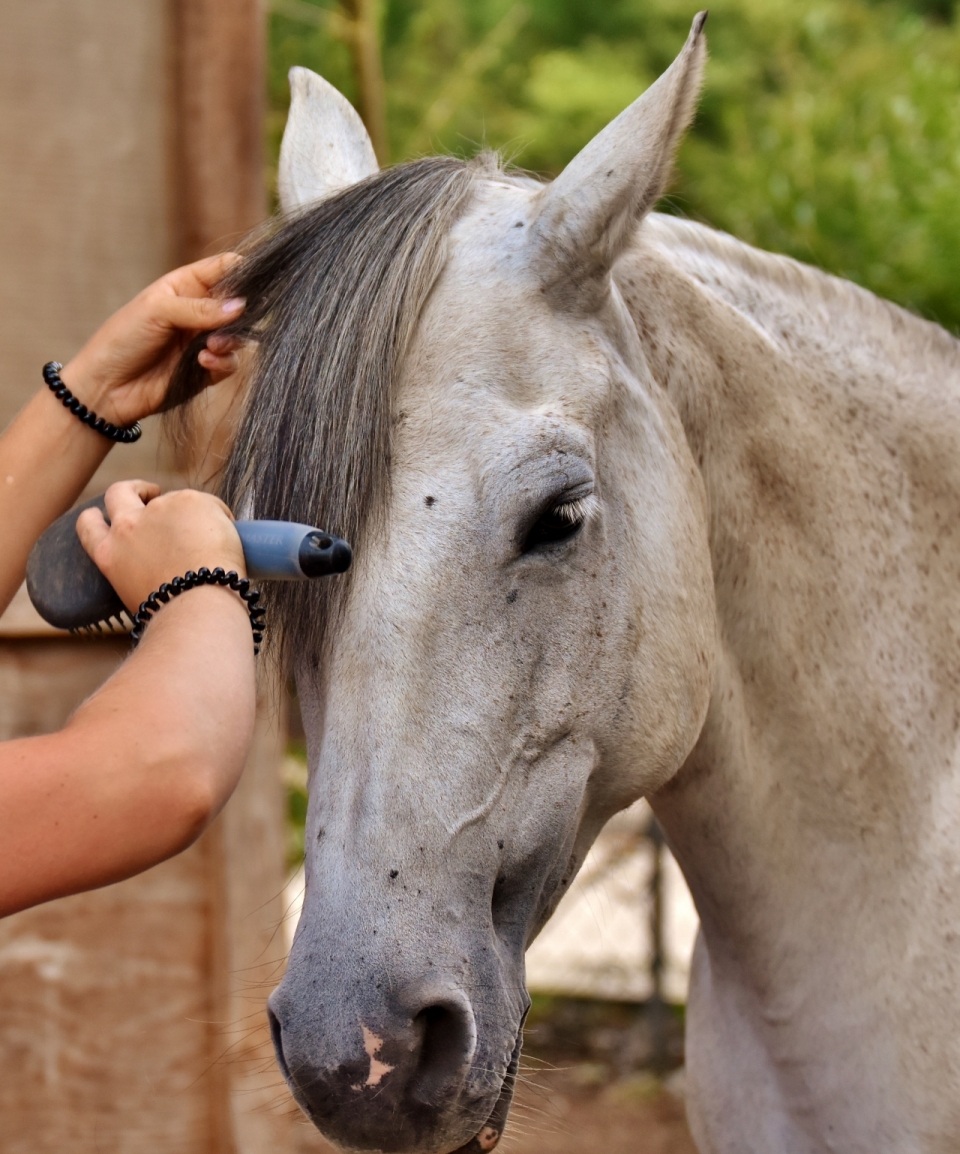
pixel 187 696
pixel 141 767
pixel 47 456
pixel 144 765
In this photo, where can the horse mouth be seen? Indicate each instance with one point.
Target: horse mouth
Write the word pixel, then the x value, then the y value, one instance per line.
pixel 491 1132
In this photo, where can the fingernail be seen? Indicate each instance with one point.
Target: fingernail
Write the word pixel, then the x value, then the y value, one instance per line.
pixel 233 305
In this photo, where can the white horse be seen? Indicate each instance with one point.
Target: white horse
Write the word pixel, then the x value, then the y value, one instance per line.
pixel 666 516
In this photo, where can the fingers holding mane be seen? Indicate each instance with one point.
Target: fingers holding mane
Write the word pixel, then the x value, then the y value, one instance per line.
pixel 225 276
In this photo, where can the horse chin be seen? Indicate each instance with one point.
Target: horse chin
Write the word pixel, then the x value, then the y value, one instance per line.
pixel 486 1139
pixel 489 1135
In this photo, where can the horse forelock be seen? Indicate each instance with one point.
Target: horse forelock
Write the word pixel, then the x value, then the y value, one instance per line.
pixel 333 296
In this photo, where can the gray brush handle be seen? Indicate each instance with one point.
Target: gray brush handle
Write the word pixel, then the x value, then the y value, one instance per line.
pixel 286 551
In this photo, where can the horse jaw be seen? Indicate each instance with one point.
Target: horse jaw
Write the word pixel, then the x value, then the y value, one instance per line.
pixel 325 145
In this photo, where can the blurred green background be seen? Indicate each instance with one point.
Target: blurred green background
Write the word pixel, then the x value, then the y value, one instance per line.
pixel 828 129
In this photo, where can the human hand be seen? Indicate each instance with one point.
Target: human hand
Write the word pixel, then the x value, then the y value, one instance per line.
pixel 123 371
pixel 152 538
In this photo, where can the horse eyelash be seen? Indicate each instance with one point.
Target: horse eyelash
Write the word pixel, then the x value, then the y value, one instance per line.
pixel 575 512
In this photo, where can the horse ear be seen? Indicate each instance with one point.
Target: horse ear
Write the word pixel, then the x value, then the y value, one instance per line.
pixel 325 145
pixel 589 213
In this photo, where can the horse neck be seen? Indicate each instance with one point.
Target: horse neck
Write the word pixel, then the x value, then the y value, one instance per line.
pixel 825 425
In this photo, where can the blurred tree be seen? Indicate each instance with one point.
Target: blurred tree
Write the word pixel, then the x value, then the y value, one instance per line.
pixel 828 129
pixel 363 38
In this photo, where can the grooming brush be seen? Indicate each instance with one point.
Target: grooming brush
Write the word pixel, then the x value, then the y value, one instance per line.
pixel 70 592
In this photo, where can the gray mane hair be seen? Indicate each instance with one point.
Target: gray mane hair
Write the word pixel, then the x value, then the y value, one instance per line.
pixel 333 296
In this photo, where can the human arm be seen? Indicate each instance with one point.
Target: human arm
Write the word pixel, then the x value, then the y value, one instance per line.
pixel 47 456
pixel 148 760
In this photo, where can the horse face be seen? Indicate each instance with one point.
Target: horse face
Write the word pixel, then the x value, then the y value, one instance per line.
pixel 525 650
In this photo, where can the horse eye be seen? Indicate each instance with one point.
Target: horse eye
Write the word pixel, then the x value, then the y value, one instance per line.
pixel 558 523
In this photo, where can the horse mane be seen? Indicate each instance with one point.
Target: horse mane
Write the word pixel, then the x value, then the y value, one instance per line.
pixel 333 296
pixel 903 334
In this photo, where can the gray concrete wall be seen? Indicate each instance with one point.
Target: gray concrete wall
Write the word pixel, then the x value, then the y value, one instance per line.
pixel 87 181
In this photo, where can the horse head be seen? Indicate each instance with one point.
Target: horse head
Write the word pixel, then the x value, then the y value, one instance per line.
pixel 449 377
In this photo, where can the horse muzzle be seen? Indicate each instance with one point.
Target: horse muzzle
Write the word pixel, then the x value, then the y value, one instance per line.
pixel 408 1074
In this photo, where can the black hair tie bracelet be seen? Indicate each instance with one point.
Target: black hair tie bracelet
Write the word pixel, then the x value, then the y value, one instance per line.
pixel 123 436
pixel 191 580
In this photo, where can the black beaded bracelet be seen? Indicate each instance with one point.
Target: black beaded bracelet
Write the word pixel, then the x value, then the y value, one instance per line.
pixel 191 580
pixel 124 436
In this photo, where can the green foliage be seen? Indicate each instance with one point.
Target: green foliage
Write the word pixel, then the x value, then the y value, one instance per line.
pixel 295 780
pixel 828 129
pixel 836 138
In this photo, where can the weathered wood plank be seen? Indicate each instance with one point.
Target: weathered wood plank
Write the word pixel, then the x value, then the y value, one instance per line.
pixel 131 1019
pixel 103 996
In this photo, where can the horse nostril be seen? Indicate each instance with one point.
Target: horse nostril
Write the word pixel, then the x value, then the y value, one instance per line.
pixel 448 1037
pixel 276 1034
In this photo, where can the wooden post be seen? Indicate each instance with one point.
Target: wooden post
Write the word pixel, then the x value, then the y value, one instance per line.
pixel 217 99
pixel 219 79
pixel 656 1008
pixel 364 40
